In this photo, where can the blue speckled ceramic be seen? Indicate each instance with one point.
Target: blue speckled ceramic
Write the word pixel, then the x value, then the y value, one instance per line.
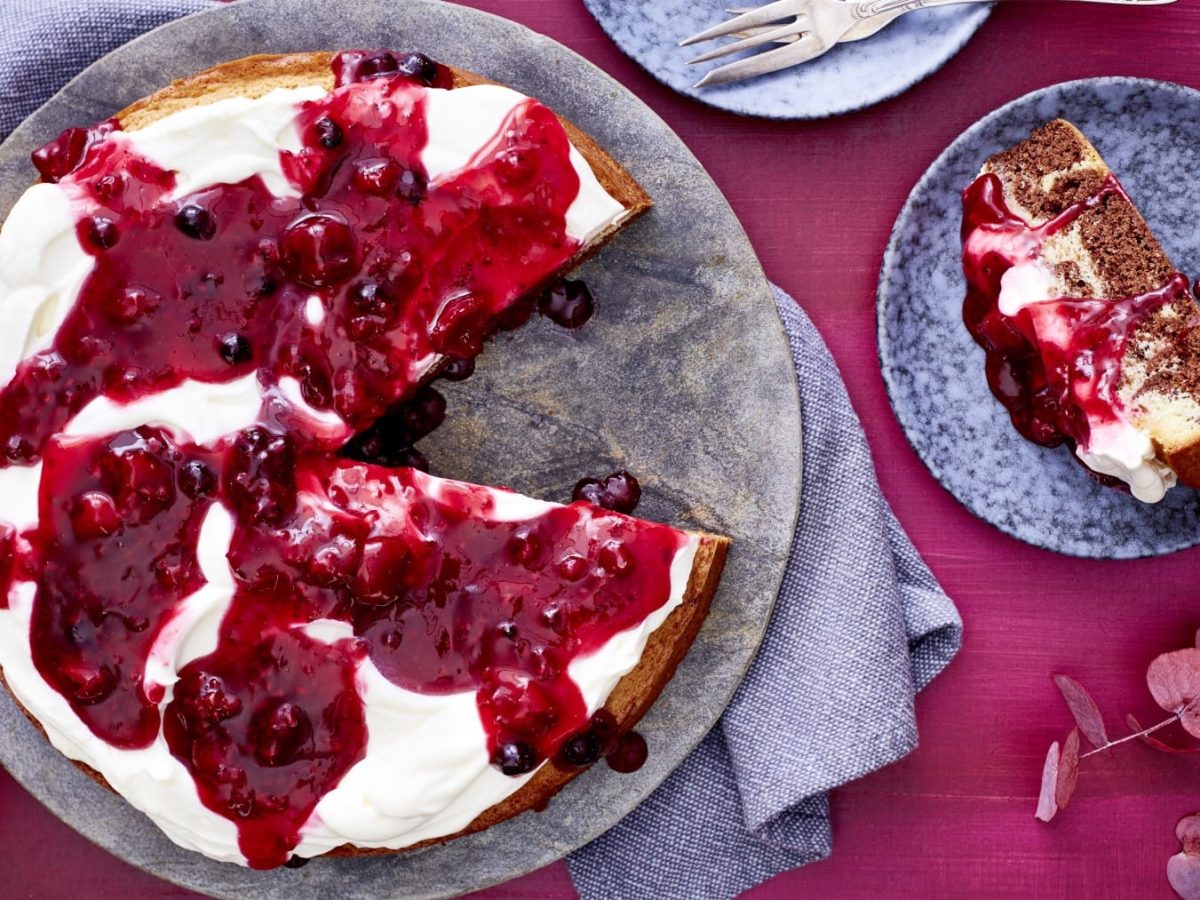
pixel 848 77
pixel 1146 131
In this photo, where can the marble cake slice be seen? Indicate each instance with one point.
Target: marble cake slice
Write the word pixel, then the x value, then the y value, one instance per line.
pixel 1108 251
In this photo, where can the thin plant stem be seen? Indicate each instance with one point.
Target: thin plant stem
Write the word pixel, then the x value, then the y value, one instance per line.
pixel 1131 737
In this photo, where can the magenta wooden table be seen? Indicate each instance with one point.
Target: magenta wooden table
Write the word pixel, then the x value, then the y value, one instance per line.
pixel 956 818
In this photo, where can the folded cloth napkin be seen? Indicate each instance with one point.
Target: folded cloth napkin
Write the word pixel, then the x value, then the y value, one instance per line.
pixel 859 627
pixel 46 43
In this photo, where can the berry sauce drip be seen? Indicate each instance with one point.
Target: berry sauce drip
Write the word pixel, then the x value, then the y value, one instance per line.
pixel 442 593
pixel 1056 364
pixel 116 551
pixel 408 275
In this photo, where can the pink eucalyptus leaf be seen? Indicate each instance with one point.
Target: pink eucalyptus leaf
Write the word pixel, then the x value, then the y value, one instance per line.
pixel 1183 869
pixel 1047 806
pixel 1190 718
pixel 1188 832
pixel 1083 709
pixel 1174 681
pixel 1183 874
pixel 1068 770
pixel 1152 742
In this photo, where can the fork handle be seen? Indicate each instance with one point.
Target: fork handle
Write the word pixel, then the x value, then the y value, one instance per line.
pixel 868 8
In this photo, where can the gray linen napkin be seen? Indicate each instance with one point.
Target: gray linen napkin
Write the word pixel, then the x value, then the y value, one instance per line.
pixel 859 627
pixel 46 43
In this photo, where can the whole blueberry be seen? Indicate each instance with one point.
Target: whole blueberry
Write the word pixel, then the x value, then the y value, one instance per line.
pixel 580 750
pixel 377 64
pixel 103 233
pixel 196 479
pixel 588 489
pixel 329 133
pixel 234 348
pixel 196 222
pixel 459 369
pixel 621 492
pixel 515 758
pixel 419 67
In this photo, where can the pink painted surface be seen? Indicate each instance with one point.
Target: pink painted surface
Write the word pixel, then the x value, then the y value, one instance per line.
pixel 956 817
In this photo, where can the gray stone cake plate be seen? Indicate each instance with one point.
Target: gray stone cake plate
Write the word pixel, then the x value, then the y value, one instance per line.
pixel 850 76
pixel 934 372
pixel 683 376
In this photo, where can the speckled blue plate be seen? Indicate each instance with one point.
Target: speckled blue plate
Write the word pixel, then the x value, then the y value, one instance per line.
pixel 1146 131
pixel 850 76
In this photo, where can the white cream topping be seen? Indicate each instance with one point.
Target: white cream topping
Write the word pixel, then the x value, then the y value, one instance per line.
pixel 314 311
pixel 193 630
pixel 462 121
pixel 425 772
pixel 227 141
pixel 323 421
pixel 42 268
pixel 194 410
pixel 1122 451
pixel 1025 283
pixel 19 490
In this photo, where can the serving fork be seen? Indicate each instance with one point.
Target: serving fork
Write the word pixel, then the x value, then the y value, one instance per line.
pixel 807 29
pixel 861 31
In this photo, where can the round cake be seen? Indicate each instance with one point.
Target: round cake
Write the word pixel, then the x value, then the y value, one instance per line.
pixel 230 591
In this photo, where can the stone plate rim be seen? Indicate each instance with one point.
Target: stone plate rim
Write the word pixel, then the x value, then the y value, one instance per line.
pixel 981 11
pixel 893 260
pixel 300 882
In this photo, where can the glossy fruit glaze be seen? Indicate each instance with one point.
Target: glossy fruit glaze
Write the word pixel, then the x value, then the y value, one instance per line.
pixel 407 276
pixel 1056 364
pixel 442 594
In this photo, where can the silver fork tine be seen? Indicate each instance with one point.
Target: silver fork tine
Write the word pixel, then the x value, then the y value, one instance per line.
pixel 808 47
pixel 766 36
pixel 758 29
pixel 751 32
pixel 764 15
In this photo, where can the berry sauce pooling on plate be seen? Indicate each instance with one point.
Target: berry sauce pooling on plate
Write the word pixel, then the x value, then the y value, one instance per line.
pixel 620 491
pixel 442 592
pixel 1056 364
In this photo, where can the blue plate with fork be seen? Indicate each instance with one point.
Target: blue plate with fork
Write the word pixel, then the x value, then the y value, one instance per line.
pixel 850 76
